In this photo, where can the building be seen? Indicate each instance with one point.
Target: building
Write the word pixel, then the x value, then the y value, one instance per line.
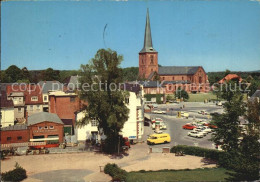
pixel 230 77
pixel 7 111
pixel 27 99
pixel 49 86
pixel 255 96
pixel 134 126
pixel 149 69
pixel 45 126
pixel 65 105
pixel 72 83
pixel 14 134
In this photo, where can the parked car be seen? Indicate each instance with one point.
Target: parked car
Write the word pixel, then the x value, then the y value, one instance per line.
pixel 207 129
pixel 200 130
pixel 185 114
pixel 163 126
pixel 158 138
pixel 158 131
pixel 188 127
pixel 219 103
pixel 195 134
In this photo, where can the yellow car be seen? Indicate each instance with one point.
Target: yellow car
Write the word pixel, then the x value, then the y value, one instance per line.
pixel 159 138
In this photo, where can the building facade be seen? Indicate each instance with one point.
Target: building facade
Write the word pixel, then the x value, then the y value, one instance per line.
pixel 7 111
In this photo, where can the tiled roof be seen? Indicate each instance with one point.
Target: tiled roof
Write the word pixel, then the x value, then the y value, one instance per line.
pixel 177 70
pixel 230 77
pixel 149 84
pixel 67 121
pixel 43 116
pixel 132 87
pixel 4 102
pixel 15 127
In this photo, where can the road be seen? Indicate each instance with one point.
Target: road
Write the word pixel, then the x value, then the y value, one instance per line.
pixel 174 124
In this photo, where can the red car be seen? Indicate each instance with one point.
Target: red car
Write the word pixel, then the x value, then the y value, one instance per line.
pixel 188 127
pixel 211 126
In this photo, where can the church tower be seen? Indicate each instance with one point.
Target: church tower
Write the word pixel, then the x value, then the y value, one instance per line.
pixel 148 56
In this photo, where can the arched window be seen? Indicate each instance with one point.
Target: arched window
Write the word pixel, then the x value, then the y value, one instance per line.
pixel 152 70
pixel 163 78
pixel 173 78
pixel 182 78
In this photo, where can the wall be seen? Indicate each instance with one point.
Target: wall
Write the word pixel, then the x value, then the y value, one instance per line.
pixel 35 109
pixel 64 107
pixel 57 130
pixel 7 116
pixel 14 134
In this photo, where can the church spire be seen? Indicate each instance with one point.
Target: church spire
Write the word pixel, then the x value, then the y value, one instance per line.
pixel 148 44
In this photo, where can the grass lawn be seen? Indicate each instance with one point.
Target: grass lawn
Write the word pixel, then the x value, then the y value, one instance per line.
pixel 208 174
pixel 200 97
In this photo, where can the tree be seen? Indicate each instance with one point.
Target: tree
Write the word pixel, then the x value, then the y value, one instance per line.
pixel 254 85
pixel 105 103
pixel 180 93
pixel 25 74
pixel 130 74
pixel 242 148
pixel 13 73
pixel 227 72
pixel 50 75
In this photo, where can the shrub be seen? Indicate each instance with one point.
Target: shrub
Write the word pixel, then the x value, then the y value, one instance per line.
pixel 17 174
pixel 115 172
pixel 197 151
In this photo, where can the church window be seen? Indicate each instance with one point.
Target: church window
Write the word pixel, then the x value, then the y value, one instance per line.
pixel 173 78
pixel 152 70
pixel 142 61
pixel 182 78
pixel 151 59
pixel 200 79
pixel 163 77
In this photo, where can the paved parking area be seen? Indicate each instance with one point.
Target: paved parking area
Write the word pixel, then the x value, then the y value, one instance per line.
pixel 174 124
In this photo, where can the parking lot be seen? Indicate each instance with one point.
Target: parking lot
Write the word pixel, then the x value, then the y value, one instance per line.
pixel 174 124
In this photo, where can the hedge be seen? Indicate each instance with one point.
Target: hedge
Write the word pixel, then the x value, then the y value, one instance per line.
pixel 221 157
pixel 115 172
pixel 17 174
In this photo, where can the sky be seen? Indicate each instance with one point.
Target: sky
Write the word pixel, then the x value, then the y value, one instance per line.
pixel 216 34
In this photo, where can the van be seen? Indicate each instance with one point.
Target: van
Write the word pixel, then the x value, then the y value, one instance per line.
pixel 158 138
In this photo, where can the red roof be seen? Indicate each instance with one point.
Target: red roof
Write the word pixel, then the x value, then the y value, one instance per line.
pixel 230 77
pixel 28 90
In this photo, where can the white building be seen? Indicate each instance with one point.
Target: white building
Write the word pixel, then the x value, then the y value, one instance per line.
pixel 7 111
pixel 133 127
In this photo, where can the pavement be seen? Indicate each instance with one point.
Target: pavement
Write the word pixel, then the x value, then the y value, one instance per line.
pixel 174 124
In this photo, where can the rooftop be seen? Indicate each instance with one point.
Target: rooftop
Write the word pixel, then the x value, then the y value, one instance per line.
pixel 15 127
pixel 177 70
pixel 43 116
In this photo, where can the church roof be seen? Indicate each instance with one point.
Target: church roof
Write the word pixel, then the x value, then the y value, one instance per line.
pixel 177 70
pixel 148 44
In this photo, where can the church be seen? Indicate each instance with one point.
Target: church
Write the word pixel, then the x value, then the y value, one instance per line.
pixel 191 78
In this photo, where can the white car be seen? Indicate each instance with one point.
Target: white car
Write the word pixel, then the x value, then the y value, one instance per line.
pixel 185 114
pixel 195 134
pixel 207 129
pixel 200 130
pixel 155 111
pixel 219 103
pixel 163 126
pixel 158 132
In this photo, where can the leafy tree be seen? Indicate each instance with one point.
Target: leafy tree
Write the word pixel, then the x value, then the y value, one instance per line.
pixel 4 78
pixel 105 104
pixel 130 74
pixel 255 84
pixel 13 73
pixel 242 148
pixel 50 74
pixel 180 93
pixel 25 74
pixel 227 72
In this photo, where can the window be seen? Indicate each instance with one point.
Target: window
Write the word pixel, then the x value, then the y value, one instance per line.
pixel 39 127
pixel 31 108
pixel 72 99
pixel 19 109
pixel 34 98
pixel 163 78
pixel 142 61
pixel 51 127
pixel 127 100
pixel 200 79
pixel 38 107
pixel 45 98
pixel 173 78
pixel 9 138
pixel 182 78
pixel 46 127
pixel 19 138
pixel 152 70
pixel 151 59
pixel 94 123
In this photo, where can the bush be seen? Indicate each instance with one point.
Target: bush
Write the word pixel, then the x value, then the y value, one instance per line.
pixel 197 151
pixel 17 174
pixel 115 172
